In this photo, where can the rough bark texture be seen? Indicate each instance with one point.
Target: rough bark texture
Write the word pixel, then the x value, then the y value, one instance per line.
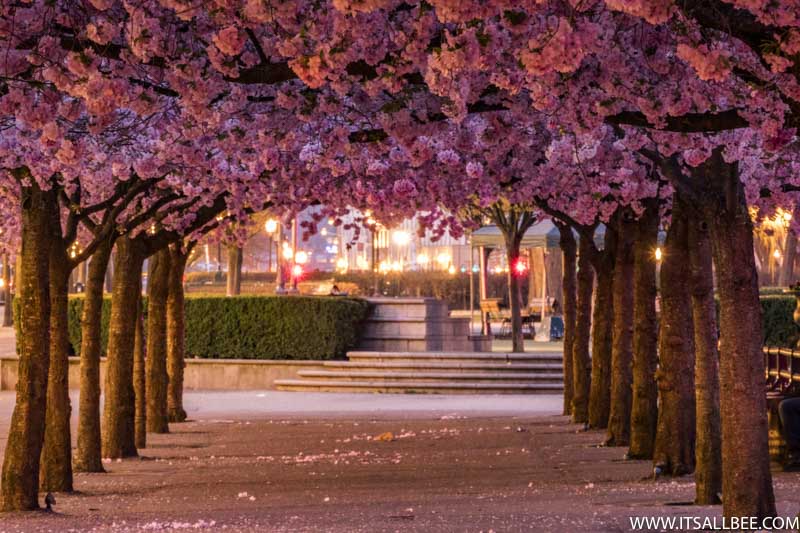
pixel 156 367
pixel 56 461
pixel 88 456
pixel 8 318
pixel 119 410
pixel 674 446
pixel 20 479
pixel 235 258
pixel 569 298
pixel 602 328
pixel 515 296
pixel 746 479
pixel 708 445
pixel 139 381
pixel 619 420
pixel 581 360
pixel 176 334
pixel 644 409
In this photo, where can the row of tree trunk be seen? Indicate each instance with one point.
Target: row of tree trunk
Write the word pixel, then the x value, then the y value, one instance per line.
pixel 662 387
pixel 140 393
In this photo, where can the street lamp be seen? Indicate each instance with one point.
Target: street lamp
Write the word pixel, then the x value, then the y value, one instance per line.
pixel 443 259
pixel 422 260
pixel 401 238
pixel 270 226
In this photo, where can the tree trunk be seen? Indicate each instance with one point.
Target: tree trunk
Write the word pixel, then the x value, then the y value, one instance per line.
pixel 789 254
pixel 20 481
pixel 56 468
pixel 157 379
pixel 8 308
pixel 120 409
pixel 644 410
pixel 602 327
pixel 514 296
pixel 140 379
pixel 619 420
pixel 674 446
pixel 176 331
pixel 708 445
pixel 746 478
pixel 235 256
pixel 568 297
pixel 581 360
pixel 88 456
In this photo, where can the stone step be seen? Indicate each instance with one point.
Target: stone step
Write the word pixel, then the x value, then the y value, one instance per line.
pixel 401 344
pixel 448 366
pixel 429 376
pixel 447 387
pixel 460 356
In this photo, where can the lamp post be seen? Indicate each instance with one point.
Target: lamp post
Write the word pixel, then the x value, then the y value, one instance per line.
pixel 295 273
pixel 271 226
pixel 280 281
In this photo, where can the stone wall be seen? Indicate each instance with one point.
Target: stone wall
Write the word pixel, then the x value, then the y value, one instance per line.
pixel 205 374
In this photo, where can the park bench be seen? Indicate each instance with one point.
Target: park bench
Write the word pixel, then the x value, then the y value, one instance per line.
pixel 490 307
pixel 782 368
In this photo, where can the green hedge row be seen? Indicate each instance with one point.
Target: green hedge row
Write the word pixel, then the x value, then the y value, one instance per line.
pixel 258 327
pixel 779 326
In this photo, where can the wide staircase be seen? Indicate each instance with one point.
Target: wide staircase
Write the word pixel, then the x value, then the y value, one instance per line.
pixel 435 372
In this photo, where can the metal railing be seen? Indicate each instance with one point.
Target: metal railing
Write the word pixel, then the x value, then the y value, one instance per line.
pixel 782 367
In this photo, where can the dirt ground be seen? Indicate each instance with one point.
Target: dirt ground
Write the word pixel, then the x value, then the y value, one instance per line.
pixel 444 473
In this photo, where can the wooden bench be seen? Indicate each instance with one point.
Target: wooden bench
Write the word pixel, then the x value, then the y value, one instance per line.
pixel 782 367
pixel 490 308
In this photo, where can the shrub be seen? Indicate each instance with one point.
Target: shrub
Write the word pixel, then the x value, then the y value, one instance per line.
pixel 779 326
pixel 258 327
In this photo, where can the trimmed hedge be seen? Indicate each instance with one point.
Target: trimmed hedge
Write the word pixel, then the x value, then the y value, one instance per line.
pixel 779 326
pixel 258 327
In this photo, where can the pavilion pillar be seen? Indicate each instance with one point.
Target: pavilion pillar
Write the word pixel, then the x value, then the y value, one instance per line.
pixel 483 264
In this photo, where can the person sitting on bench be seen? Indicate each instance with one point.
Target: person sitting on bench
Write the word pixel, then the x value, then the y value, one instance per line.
pixel 789 411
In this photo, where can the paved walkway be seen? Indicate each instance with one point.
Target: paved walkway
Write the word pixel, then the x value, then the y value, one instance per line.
pixel 7 339
pixel 287 469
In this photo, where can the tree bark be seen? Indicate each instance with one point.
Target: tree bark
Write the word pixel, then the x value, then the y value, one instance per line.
pixel 156 368
pixel 602 327
pixel 674 446
pixel 119 411
pixel 514 296
pixel 88 456
pixel 139 380
pixel 644 410
pixel 569 298
pixel 619 420
pixel 56 460
pixel 708 445
pixel 176 334
pixel 20 479
pixel 8 308
pixel 581 360
pixel 235 257
pixel 746 479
